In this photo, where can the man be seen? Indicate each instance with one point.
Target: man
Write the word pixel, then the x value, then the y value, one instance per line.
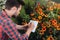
pixel 8 29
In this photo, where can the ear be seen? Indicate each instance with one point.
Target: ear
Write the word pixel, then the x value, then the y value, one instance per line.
pixel 13 8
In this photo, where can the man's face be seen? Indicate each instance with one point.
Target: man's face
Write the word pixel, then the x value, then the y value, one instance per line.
pixel 17 11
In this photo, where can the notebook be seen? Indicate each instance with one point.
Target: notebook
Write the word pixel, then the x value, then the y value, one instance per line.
pixel 35 24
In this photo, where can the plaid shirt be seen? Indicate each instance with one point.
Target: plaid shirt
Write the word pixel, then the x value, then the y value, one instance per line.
pixel 8 29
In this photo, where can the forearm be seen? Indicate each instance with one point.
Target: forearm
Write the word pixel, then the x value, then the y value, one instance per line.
pixel 19 26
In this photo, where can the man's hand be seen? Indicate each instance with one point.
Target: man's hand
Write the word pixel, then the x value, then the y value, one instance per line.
pixel 30 28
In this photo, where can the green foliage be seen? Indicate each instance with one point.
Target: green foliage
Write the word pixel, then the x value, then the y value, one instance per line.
pixel 43 2
pixel 2 2
pixel 24 15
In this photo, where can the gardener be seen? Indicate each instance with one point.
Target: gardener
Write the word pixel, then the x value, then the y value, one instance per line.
pixel 8 29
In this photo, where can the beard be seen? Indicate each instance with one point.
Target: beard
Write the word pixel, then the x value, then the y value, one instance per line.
pixel 15 15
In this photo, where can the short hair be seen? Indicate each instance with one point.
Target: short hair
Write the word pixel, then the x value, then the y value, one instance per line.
pixel 11 3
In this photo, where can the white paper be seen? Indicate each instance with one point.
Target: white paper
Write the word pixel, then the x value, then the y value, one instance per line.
pixel 35 24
